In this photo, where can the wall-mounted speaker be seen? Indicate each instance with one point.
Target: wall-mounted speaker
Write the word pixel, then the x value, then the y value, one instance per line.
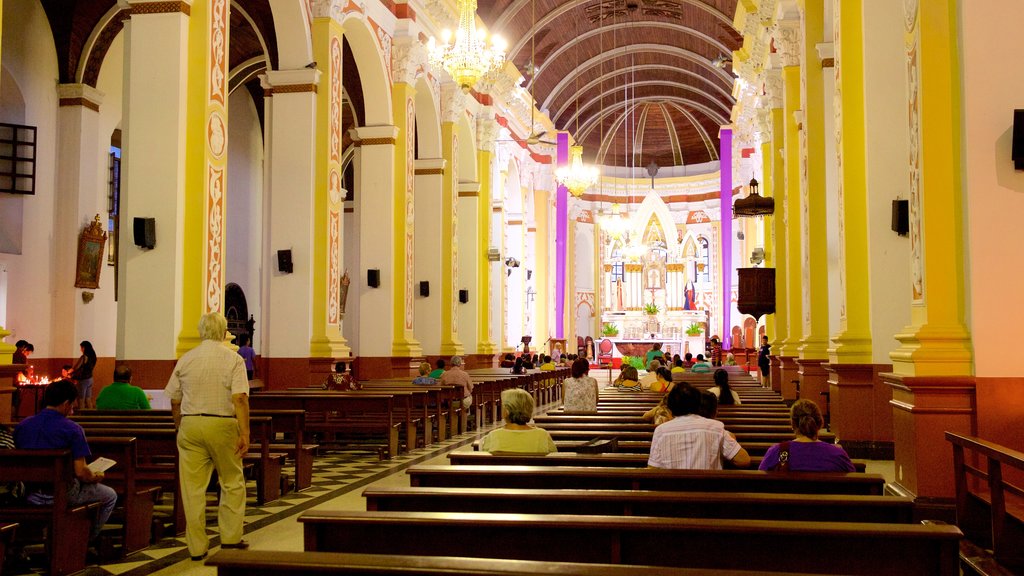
pixel 464 296
pixel 424 288
pixel 373 278
pixel 901 217
pixel 145 232
pixel 284 261
pixel 1018 140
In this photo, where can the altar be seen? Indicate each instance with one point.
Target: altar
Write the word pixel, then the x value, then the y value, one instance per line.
pixel 693 345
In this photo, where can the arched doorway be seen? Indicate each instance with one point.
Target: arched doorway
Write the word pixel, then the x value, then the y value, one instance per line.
pixel 236 310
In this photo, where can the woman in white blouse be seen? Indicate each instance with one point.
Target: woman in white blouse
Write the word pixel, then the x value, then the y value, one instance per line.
pixel 579 393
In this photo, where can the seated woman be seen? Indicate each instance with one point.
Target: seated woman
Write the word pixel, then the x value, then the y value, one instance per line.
pixel 579 393
pixel 806 453
pixel 730 359
pixel 517 435
pixel 726 396
pixel 628 380
pixel 663 380
pixel 508 361
pixel 424 378
pixel 519 367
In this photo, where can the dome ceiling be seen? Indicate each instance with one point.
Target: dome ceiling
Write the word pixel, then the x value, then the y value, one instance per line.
pixel 633 80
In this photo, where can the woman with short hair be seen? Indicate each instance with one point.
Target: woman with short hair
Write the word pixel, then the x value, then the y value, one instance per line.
pixel 517 435
pixel 806 453
pixel 579 393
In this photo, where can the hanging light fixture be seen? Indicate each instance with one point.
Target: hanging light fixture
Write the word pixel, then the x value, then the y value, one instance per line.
pixel 754 204
pixel 467 57
pixel 576 176
pixel 614 224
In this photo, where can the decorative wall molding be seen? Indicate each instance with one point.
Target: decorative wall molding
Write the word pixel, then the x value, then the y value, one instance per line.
pixel 787 36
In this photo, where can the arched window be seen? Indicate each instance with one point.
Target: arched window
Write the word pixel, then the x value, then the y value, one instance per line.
pixel 702 266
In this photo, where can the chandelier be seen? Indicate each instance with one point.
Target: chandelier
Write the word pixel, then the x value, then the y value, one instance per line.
pixel 614 224
pixel 576 177
pixel 468 58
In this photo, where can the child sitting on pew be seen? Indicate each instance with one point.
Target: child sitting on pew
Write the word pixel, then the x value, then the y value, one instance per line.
pixel 806 453
pixel 518 435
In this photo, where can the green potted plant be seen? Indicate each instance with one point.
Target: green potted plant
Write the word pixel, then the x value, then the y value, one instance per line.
pixel 651 309
pixel 634 361
pixel 694 329
pixel 610 330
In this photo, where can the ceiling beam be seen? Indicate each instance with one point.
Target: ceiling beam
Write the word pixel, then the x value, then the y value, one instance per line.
pixel 643 68
pixel 592 123
pixel 665 49
pixel 722 119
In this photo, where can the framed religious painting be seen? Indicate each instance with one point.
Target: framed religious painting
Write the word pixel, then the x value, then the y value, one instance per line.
pixel 90 255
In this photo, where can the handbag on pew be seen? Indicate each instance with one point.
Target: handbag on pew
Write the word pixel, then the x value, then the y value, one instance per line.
pixel 783 464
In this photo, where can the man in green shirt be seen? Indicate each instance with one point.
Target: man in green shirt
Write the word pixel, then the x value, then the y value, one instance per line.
pixel 120 394
pixel 436 374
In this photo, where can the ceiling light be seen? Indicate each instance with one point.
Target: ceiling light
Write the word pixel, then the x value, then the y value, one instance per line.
pixel 469 57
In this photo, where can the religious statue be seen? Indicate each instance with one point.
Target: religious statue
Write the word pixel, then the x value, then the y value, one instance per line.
pixel 343 296
pixel 653 278
pixel 689 296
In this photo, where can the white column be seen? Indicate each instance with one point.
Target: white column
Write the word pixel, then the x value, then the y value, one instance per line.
pixel 78 199
pixel 469 260
pixel 375 205
pixel 152 183
pixel 290 142
pixel 430 173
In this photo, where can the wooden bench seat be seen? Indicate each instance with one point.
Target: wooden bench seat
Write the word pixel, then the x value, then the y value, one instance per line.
pixel 66 527
pixel 611 460
pixel 136 499
pixel 351 415
pixel 7 533
pixel 280 563
pixel 828 547
pixel 587 478
pixel 809 507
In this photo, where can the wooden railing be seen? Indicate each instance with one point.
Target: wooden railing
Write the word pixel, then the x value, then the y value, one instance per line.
pixel 982 514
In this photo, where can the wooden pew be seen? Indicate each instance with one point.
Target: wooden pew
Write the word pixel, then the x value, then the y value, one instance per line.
pixel 341 413
pixel 67 527
pixel 285 422
pixel 828 547
pixel 992 525
pixel 615 459
pixel 586 478
pixel 280 563
pixel 440 408
pixel 267 465
pixel 7 532
pixel 754 506
pixel 135 499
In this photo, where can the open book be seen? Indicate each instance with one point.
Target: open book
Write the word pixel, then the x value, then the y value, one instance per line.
pixel 101 465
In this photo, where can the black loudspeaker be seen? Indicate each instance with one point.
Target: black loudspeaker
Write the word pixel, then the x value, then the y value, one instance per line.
pixel 424 288
pixel 464 296
pixel 373 278
pixel 901 217
pixel 1018 140
pixel 284 261
pixel 145 232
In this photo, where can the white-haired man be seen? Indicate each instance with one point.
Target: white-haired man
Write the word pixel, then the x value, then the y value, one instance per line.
pixel 456 376
pixel 209 394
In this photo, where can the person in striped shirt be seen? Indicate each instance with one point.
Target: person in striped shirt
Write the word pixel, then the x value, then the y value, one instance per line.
pixel 690 441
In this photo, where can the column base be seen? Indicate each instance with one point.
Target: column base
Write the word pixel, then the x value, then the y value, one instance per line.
pixel 479 361
pixel 813 381
pixel 449 349
pixel 942 509
pixel 861 416
pixel 775 374
pixel 374 367
pixel 788 377
pixel 485 348
pixel 924 408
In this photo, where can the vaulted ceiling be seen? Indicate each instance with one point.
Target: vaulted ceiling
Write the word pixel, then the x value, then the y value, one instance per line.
pixel 633 80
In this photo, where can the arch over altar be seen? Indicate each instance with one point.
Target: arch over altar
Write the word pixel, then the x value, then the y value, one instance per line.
pixel 658 279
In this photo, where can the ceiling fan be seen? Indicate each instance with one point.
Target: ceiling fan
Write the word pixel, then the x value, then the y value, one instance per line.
pixel 533 138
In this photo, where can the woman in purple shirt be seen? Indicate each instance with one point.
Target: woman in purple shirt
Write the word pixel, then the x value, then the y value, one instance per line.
pixel 806 453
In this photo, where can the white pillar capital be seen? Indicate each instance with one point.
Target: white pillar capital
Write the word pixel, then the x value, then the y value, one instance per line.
pixel 80 95
pixel 290 81
pixel 375 135
pixel 430 165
